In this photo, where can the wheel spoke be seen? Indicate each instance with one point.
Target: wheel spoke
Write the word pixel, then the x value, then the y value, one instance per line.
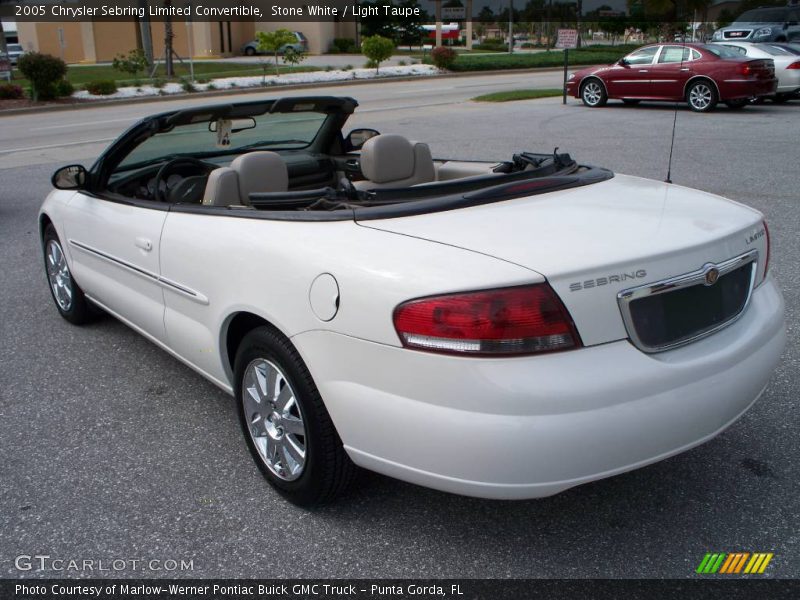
pixel 293 425
pixel 294 449
pixel 284 398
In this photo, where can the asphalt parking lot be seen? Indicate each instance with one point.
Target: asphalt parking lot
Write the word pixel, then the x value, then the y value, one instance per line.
pixel 113 449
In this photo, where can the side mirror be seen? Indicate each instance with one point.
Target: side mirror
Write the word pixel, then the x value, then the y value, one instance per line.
pixel 623 62
pixel 357 138
pixel 72 177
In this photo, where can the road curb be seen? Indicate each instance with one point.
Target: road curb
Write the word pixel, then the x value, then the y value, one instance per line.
pixel 258 90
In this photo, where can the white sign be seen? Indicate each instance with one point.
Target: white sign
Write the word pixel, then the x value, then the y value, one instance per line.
pixel 567 38
pixel 454 12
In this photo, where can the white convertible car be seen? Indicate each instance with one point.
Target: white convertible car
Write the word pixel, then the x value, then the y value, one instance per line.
pixel 504 329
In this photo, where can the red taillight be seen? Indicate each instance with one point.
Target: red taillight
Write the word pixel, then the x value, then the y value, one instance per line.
pixel 745 69
pixel 794 65
pixel 766 260
pixel 518 320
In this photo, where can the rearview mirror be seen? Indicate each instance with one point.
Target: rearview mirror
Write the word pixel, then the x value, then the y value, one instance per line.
pixel 357 138
pixel 236 125
pixel 72 177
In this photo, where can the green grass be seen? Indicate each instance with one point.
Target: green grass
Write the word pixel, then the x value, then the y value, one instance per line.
pixel 78 76
pixel 513 95
pixel 588 56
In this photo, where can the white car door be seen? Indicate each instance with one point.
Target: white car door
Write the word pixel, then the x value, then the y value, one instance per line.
pixel 114 247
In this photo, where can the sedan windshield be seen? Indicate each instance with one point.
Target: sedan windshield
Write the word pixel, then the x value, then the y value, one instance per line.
pixel 763 15
pixel 202 139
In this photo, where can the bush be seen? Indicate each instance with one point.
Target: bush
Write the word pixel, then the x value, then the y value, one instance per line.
pixel 343 46
pixel 443 57
pixel 9 91
pixel 44 72
pixel 293 57
pixel 132 63
pixel 158 83
pixel 347 68
pixel 377 49
pixel 101 87
pixel 64 88
pixel 188 86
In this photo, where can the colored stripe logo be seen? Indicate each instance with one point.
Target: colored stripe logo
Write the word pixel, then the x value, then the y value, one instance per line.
pixel 734 563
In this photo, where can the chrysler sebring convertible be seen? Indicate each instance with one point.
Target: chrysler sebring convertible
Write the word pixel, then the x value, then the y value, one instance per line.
pixel 701 75
pixel 504 328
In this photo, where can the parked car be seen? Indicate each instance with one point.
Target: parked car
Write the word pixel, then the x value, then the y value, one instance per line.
pixel 787 65
pixel 700 74
pixel 14 52
pixel 301 45
pixel 496 328
pixel 768 24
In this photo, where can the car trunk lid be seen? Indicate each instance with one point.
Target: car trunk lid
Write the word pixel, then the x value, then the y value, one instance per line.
pixel 594 241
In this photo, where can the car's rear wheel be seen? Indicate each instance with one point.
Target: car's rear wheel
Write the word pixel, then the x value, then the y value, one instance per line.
pixel 736 104
pixel 250 51
pixel 285 423
pixel 67 295
pixel 630 101
pixel 701 96
pixel 593 93
pixel 781 98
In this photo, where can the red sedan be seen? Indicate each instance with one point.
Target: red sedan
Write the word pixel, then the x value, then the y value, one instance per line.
pixel 700 74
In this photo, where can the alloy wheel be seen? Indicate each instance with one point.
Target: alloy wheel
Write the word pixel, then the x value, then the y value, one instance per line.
pixel 59 276
pixel 274 420
pixel 592 93
pixel 700 96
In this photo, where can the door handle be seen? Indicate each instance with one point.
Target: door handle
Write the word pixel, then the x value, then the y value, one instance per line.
pixel 144 244
pixel 685 69
pixel 642 70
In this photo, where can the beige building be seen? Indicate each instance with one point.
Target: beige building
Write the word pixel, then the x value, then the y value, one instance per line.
pixel 101 41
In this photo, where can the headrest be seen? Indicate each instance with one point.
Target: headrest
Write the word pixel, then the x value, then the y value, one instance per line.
pixel 260 172
pixel 387 157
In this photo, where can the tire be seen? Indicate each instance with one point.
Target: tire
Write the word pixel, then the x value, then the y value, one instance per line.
pixel 296 446
pixel 781 98
pixel 250 51
pixel 593 93
pixel 701 96
pixel 737 104
pixel 630 101
pixel 67 295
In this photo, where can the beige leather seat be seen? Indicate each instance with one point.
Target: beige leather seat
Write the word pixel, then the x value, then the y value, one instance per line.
pixel 251 172
pixel 390 160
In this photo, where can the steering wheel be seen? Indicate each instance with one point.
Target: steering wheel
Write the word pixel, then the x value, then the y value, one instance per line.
pixel 170 165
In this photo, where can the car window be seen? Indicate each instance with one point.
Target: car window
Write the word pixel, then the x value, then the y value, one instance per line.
pixel 674 54
pixel 696 55
pixel 725 51
pixel 642 57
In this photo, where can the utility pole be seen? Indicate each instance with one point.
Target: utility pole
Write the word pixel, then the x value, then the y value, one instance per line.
pixel 510 26
pixel 469 24
pixel 168 36
pixel 144 31
pixel 438 23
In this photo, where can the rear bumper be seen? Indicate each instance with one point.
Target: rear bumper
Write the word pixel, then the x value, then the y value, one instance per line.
pixel 535 426
pixel 732 89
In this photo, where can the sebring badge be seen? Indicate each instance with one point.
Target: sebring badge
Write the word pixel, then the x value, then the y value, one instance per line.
pixel 711 275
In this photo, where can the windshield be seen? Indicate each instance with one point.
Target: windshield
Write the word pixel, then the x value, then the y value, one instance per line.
pixel 271 131
pixel 724 51
pixel 773 50
pixel 763 15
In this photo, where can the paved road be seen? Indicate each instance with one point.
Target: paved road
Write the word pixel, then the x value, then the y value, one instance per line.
pixel 112 449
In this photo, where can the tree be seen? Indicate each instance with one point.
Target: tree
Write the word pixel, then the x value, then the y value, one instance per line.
pixel 44 72
pixel 377 49
pixel 272 41
pixel 168 36
pixel 132 63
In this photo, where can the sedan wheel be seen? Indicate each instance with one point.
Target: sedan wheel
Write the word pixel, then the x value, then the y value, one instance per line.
pixel 68 296
pixel 593 93
pixel 285 423
pixel 701 96
pixel 250 51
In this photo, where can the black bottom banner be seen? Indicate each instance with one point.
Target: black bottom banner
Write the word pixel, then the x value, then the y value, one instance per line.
pixel 364 589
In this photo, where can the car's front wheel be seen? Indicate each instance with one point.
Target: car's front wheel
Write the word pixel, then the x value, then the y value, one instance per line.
pixel 67 295
pixel 285 423
pixel 701 96
pixel 593 93
pixel 250 51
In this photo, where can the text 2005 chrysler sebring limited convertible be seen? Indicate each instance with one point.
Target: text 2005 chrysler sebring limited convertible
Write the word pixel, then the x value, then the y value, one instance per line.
pixel 504 329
